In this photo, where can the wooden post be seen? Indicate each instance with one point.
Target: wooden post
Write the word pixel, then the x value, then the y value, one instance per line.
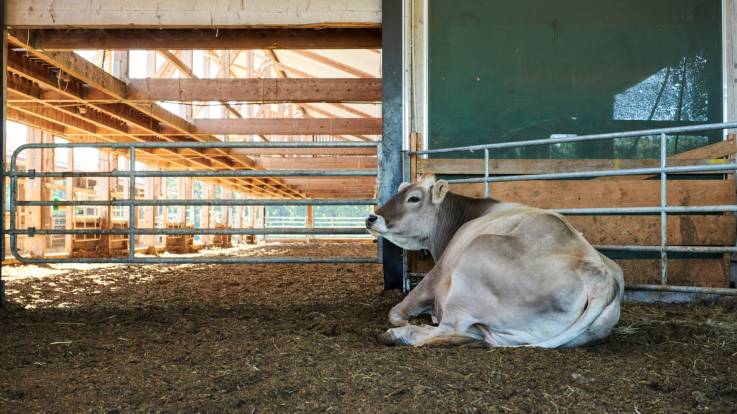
pixel 151 64
pixel 69 195
pixel 182 192
pixel 121 68
pixel 188 59
pixel 103 191
pixel 35 246
pixel 414 144
pixel 310 221
pixel 149 214
pixel 208 194
pixel 238 219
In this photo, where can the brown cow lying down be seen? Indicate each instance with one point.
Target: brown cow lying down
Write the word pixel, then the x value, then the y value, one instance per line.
pixel 505 274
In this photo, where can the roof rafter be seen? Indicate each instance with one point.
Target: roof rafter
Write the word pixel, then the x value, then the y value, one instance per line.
pixel 149 120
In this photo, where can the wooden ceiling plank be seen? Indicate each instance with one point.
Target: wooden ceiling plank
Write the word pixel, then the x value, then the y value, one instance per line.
pixel 289 126
pixel 263 90
pixel 222 39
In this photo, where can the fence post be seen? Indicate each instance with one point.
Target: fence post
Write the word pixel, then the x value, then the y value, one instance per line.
pixel 310 221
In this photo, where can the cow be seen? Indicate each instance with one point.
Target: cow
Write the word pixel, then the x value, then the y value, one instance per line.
pixel 505 274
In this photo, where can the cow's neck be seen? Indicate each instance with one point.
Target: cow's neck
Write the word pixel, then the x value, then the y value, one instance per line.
pixel 455 210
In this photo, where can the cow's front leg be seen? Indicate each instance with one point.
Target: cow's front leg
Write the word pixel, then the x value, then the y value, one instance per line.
pixel 419 335
pixel 419 300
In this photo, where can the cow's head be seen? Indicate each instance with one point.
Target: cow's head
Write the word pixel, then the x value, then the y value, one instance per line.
pixel 409 217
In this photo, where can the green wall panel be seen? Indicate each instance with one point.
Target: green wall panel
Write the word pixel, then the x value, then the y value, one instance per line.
pixel 513 70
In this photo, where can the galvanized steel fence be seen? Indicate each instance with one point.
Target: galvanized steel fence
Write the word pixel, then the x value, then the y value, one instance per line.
pixel 132 203
pixel 663 210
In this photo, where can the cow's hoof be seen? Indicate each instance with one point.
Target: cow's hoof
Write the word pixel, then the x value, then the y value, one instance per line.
pixel 386 338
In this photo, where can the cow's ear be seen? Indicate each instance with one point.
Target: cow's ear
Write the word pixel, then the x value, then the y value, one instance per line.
pixel 402 186
pixel 439 190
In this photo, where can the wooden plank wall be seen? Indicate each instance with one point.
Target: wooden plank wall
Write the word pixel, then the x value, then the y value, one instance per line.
pixel 691 229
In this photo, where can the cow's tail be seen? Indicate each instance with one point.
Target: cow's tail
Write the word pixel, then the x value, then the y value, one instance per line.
pixel 601 289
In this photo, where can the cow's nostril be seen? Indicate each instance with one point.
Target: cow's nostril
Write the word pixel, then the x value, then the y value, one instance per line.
pixel 371 218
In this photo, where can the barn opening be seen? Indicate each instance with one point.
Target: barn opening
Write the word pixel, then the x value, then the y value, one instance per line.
pixel 238 136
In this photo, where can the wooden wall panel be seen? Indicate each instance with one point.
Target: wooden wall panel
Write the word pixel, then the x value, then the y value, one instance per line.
pixel 606 193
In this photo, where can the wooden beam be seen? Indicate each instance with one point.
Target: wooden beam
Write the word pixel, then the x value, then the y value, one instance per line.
pixel 706 155
pixel 192 13
pixel 717 150
pixel 208 39
pixel 183 67
pixel 256 90
pixel 301 151
pixel 605 193
pixel 289 126
pixel 541 166
pixel 315 163
pixel 334 63
pixel 34 121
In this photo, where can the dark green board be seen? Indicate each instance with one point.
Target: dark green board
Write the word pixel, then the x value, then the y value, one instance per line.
pixel 525 69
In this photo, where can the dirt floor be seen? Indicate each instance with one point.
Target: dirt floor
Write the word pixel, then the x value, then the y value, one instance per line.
pixel 302 338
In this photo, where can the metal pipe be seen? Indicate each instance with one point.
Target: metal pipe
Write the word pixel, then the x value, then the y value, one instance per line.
pixel 198 145
pixel 211 144
pixel 600 173
pixel 206 231
pixel 595 137
pixel 486 173
pixel 663 214
pixel 200 202
pixel 646 210
pixel 197 173
pixel 683 289
pixel 206 260
pixel 132 204
pixel 672 249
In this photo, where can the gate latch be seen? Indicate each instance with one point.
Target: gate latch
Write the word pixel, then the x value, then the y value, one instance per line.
pixel 31 231
pixel 31 174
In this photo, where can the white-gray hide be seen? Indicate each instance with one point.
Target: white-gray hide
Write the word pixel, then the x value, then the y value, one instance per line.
pixel 505 274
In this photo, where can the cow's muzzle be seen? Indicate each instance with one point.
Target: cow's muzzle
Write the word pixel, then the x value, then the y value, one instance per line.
pixel 370 220
pixel 375 225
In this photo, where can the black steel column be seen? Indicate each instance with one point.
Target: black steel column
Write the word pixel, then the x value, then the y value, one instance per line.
pixel 391 149
pixel 3 88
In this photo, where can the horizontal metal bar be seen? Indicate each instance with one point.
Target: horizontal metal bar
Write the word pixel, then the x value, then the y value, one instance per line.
pixel 600 173
pixel 683 289
pixel 647 210
pixel 208 202
pixel 594 137
pixel 212 144
pixel 677 249
pixel 195 173
pixel 177 232
pixel 662 288
pixel 205 260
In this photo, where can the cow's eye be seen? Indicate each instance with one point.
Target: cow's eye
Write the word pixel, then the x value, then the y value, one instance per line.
pixel 413 199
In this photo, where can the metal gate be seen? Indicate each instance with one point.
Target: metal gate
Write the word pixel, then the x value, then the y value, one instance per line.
pixel 663 210
pixel 132 203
